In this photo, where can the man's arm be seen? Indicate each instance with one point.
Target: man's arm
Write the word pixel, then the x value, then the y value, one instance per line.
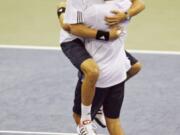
pixel 136 8
pixel 80 30
pixel 84 31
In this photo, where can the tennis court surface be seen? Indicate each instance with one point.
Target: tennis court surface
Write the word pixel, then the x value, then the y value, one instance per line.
pixel 37 88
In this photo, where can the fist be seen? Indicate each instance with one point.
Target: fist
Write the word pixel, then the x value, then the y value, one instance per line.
pixel 114 33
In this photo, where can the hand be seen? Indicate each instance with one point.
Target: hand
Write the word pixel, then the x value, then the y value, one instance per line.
pixel 114 33
pixel 117 18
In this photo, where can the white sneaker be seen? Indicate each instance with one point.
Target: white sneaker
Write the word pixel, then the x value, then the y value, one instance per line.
pixel 100 118
pixel 86 128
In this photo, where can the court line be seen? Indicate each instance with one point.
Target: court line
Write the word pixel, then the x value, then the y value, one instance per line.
pixel 29 47
pixel 34 133
pixel 155 52
pixel 33 47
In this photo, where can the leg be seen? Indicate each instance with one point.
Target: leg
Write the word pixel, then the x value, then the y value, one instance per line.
pixel 77 103
pixel 81 59
pixel 97 103
pixel 135 66
pixel 112 107
pixel 114 126
pixel 91 73
pixel 77 118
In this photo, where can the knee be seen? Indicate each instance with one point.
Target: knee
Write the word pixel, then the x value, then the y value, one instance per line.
pixel 137 67
pixel 90 69
pixel 92 73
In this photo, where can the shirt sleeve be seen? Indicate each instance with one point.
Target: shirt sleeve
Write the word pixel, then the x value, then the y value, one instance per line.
pixel 124 5
pixel 73 15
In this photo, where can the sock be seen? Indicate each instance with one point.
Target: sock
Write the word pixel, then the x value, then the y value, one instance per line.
pixel 85 112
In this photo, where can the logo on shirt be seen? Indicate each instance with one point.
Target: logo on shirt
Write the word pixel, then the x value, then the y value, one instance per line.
pixel 60 10
pixel 102 38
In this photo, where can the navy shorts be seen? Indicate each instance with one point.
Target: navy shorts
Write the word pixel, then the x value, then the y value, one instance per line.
pixel 111 98
pixel 76 52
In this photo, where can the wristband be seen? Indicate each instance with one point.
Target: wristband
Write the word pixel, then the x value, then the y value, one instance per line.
pixel 60 11
pixel 102 35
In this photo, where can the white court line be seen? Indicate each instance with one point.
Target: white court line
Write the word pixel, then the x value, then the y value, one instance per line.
pixel 30 47
pixel 33 133
pixel 34 47
pixel 155 52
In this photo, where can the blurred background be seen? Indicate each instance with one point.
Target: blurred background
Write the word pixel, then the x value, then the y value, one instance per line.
pixel 37 87
pixel 34 22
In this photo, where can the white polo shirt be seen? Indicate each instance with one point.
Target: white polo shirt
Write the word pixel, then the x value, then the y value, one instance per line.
pixel 110 56
pixel 74 15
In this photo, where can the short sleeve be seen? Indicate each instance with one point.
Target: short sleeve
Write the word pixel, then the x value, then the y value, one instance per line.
pixel 73 14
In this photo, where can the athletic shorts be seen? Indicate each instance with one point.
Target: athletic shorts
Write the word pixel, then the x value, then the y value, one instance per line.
pixel 76 52
pixel 111 98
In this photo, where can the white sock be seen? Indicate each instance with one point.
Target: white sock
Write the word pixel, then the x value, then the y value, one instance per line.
pixel 85 112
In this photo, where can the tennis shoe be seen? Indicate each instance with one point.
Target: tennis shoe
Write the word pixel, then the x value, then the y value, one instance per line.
pixel 86 128
pixel 100 118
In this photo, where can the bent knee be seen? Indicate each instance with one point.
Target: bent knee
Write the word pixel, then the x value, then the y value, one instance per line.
pixel 90 69
pixel 137 67
pixel 92 73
